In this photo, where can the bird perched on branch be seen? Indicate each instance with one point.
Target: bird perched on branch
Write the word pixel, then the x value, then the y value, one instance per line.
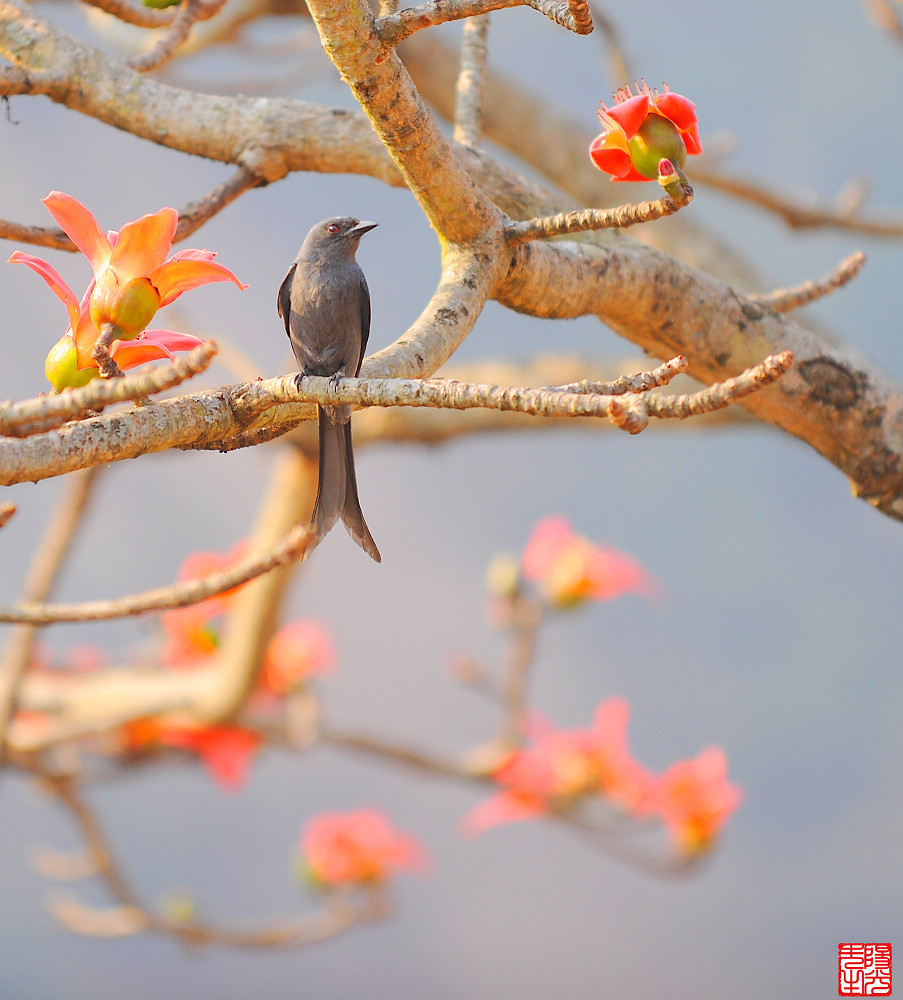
pixel 325 305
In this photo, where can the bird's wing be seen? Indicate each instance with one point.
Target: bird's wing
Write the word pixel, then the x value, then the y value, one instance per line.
pixel 365 321
pixel 284 298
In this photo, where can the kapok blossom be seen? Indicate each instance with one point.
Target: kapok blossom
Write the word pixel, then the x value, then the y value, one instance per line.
pixel 640 130
pixel 191 633
pixel 695 799
pixel 359 848
pixel 299 650
pixel 226 750
pixel 132 280
pixel 569 569
pixel 69 364
pixel 558 769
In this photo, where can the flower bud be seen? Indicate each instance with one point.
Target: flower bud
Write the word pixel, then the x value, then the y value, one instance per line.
pixel 657 139
pixel 61 366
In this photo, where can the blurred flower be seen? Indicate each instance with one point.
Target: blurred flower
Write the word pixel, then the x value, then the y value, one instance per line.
pixel 191 633
pixel 225 750
pixel 569 569
pixel 642 129
pixel 297 651
pixel 695 798
pixel 357 848
pixel 558 769
pixel 131 282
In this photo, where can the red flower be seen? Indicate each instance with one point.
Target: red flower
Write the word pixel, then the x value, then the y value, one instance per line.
pixel 642 129
pixel 695 798
pixel 558 769
pixel 225 750
pixel 131 282
pixel 357 848
pixel 570 569
pixel 191 634
pixel 297 651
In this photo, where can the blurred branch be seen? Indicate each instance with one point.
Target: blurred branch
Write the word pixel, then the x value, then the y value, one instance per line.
pixel 844 215
pixel 787 299
pixel 139 15
pixel 45 567
pixel 132 916
pixel 470 83
pixel 188 13
pixel 884 15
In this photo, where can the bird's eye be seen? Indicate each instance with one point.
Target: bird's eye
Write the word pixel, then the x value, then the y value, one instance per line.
pixel 332 228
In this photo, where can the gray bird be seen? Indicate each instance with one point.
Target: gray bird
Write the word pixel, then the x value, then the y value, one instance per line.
pixel 325 305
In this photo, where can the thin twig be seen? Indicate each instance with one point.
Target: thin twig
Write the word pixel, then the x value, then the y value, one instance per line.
pixel 196 213
pixel 590 219
pixel 131 916
pixel 792 210
pixel 641 382
pixel 786 299
pixel 470 82
pixel 526 619
pixel 42 574
pixel 34 416
pixel 537 402
pixel 191 217
pixel 189 12
pixel 143 17
pixel 395 28
pixel 721 394
pixel 297 545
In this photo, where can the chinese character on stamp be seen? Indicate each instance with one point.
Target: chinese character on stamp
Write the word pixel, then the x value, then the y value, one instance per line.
pixel 864 970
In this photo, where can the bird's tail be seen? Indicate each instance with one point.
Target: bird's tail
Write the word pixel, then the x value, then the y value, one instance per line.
pixel 337 487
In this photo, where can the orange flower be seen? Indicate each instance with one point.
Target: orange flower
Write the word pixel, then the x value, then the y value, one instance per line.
pixel 132 280
pixel 643 129
pixel 558 769
pixel 225 750
pixel 695 798
pixel 69 363
pixel 570 569
pixel 191 633
pixel 357 848
pixel 297 651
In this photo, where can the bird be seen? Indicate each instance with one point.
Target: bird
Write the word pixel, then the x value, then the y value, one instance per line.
pixel 324 302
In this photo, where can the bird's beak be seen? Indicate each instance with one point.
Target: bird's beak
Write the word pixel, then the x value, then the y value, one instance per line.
pixel 363 227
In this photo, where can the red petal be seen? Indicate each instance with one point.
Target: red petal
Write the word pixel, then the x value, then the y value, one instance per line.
pixel 152 345
pixel 678 109
pixel 501 808
pixel 613 160
pixel 193 255
pixel 177 276
pixel 81 227
pixel 142 245
pixel 59 287
pixel 630 114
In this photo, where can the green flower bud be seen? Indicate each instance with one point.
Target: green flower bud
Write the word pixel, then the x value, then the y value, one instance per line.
pixel 657 139
pixel 61 366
